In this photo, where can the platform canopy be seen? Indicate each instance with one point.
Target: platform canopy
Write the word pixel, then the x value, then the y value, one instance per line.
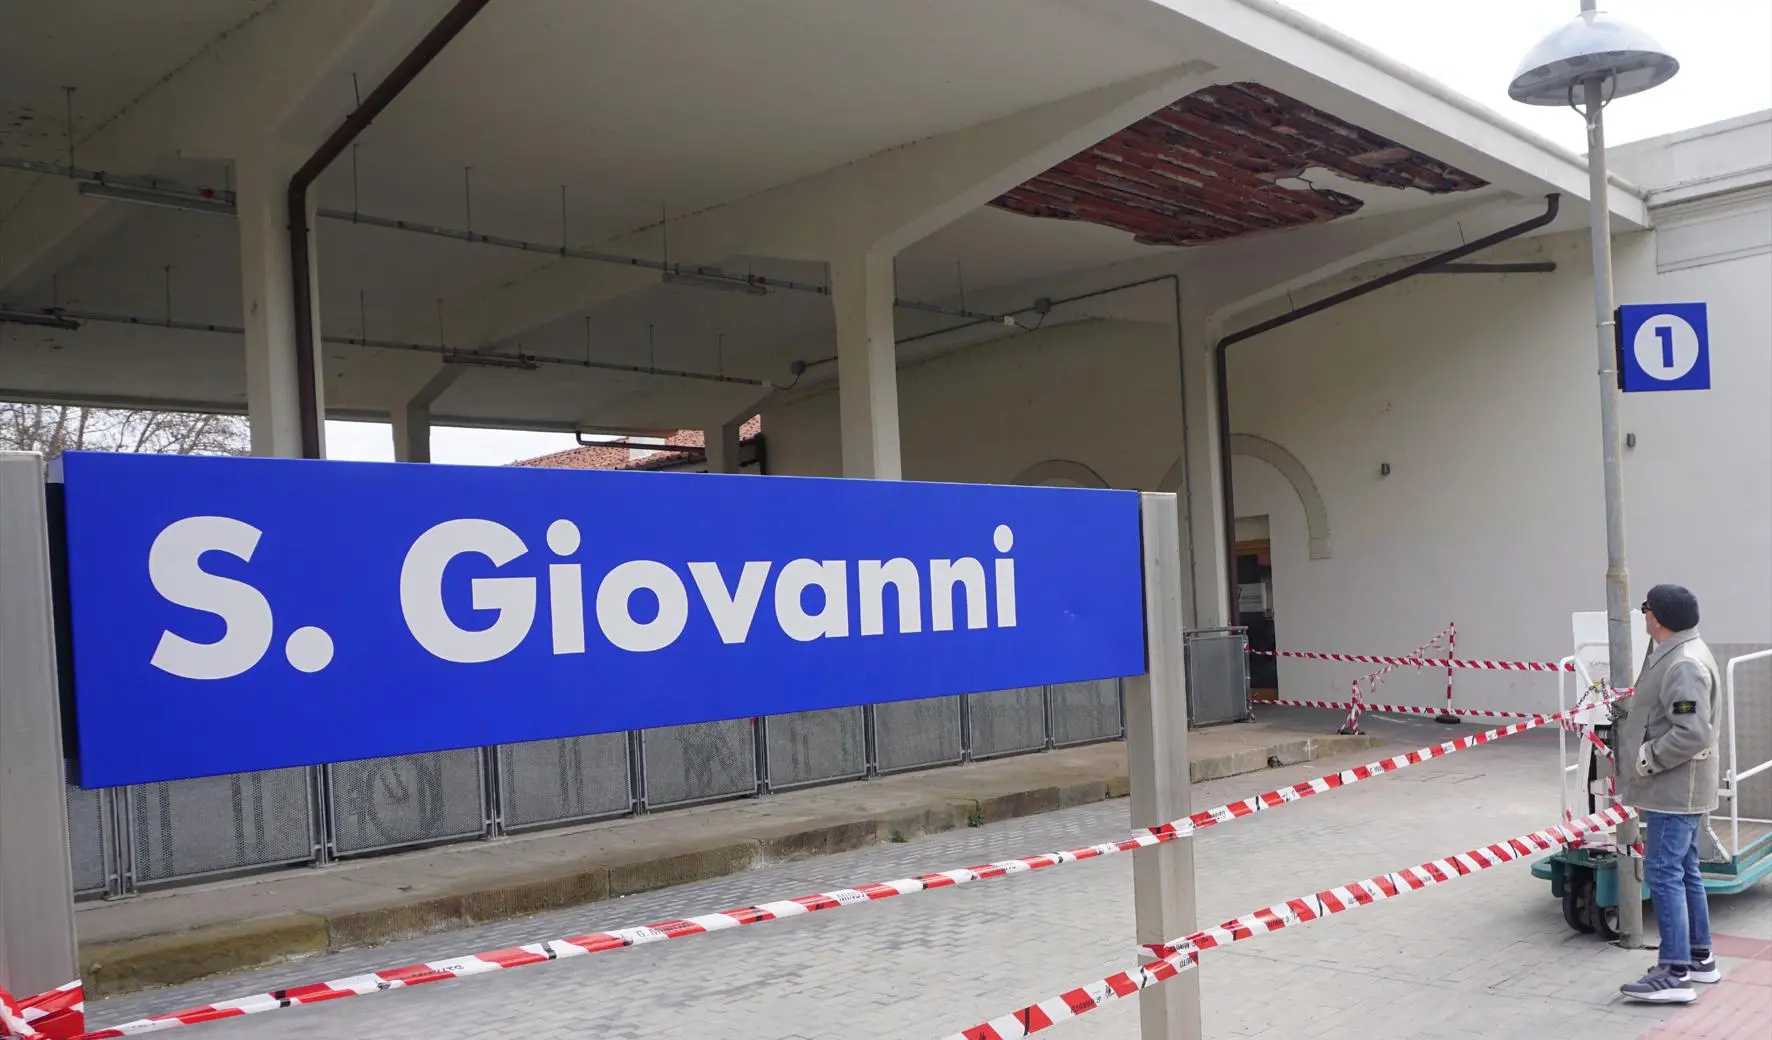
pixel 994 152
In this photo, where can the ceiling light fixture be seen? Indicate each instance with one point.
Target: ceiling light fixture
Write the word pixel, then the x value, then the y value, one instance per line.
pixel 176 200
pixel 43 319
pixel 717 282
pixel 519 361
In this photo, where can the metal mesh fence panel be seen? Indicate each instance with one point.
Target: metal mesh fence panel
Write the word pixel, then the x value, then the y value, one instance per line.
pixel 556 781
pixel 809 746
pixel 909 734
pixel 700 761
pixel 380 803
pixel 1085 711
pixel 183 828
pixel 89 844
pixel 1217 676
pixel 1008 720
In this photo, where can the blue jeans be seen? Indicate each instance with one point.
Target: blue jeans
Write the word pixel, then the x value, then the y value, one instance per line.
pixel 1670 866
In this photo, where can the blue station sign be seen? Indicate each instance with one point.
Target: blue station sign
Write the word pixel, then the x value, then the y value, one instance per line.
pixel 240 614
pixel 1662 347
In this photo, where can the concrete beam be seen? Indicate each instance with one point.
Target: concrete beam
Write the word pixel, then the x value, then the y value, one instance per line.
pixel 891 199
pixel 881 203
pixel 867 366
pixel 273 398
pixel 412 434
pixel 1201 500
pixel 244 89
pixel 385 379
pixel 722 448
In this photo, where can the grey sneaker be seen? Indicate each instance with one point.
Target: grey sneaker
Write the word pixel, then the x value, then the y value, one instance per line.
pixel 1663 985
pixel 1704 971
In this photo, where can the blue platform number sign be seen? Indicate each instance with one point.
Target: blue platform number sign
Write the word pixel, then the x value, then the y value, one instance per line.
pixel 1663 346
pixel 230 615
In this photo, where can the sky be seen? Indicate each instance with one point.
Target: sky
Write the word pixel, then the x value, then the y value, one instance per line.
pixel 374 442
pixel 1724 48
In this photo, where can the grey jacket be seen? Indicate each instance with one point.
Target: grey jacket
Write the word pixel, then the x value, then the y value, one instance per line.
pixel 1667 741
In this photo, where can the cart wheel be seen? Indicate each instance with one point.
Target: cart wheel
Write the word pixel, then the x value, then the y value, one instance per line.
pixel 1606 922
pixel 1578 902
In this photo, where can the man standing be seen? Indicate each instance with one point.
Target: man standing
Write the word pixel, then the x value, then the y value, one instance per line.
pixel 1667 766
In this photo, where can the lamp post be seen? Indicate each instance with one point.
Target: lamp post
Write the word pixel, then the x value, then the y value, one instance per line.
pixel 1586 64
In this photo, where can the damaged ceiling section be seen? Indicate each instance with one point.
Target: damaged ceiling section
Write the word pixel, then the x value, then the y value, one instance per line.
pixel 1209 167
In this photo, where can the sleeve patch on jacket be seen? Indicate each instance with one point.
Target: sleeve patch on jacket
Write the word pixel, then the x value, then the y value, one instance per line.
pixel 1685 707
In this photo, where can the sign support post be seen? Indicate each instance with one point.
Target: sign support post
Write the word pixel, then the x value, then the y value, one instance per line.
pixel 1157 766
pixel 37 945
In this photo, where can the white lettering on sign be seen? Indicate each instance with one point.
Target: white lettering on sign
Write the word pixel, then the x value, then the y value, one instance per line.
pixel 902 575
pixel 421 592
pixel 733 610
pixel 615 601
pixel 639 606
pixel 175 569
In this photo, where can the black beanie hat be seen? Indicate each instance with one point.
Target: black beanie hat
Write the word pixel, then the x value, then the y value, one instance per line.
pixel 1673 606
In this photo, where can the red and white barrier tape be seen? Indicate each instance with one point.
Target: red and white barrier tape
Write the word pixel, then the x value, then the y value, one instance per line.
pixel 1373 680
pixel 1182 954
pixel 59 1013
pixel 1410 709
pixel 68 1000
pixel 1451 651
pixel 12 1019
pixel 1423 662
pixel 1396 883
pixel 557 949
pixel 1080 1001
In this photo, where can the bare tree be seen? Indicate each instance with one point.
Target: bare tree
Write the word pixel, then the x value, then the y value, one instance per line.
pixel 55 428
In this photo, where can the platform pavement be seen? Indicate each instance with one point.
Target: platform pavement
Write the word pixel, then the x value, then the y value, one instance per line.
pixel 178 935
pixel 1484 956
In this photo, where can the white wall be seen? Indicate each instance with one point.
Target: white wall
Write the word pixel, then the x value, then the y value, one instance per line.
pixel 1479 391
pixel 1105 394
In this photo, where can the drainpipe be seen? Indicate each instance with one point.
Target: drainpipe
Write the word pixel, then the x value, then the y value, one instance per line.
pixel 305 334
pixel 1222 390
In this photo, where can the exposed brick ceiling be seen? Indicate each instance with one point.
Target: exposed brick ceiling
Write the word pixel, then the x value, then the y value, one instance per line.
pixel 1204 170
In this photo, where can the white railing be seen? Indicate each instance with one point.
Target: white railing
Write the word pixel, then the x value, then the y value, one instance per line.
pixel 1732 779
pixel 1572 668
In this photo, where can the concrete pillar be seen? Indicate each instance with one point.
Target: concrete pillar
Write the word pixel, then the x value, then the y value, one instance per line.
pixel 722 447
pixel 1158 773
pixel 273 400
pixel 37 946
pixel 1202 498
pixel 412 433
pixel 862 292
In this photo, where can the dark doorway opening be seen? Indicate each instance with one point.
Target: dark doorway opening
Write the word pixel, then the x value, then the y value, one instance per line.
pixel 1255 612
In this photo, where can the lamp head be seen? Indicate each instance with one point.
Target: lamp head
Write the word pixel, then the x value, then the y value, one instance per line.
pixel 1594 44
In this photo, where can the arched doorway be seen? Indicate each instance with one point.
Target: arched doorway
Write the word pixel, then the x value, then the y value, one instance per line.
pixel 1254 552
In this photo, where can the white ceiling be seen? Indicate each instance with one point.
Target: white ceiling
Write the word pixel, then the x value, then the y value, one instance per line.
pixel 110 51
pixel 642 105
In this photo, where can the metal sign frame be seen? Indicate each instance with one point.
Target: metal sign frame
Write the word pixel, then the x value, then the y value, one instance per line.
pixel 38 947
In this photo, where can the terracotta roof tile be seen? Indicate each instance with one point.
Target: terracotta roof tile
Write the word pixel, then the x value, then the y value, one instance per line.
pixel 620 454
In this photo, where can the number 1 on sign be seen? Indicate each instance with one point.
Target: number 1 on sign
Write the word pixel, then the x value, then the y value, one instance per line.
pixel 1665 334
